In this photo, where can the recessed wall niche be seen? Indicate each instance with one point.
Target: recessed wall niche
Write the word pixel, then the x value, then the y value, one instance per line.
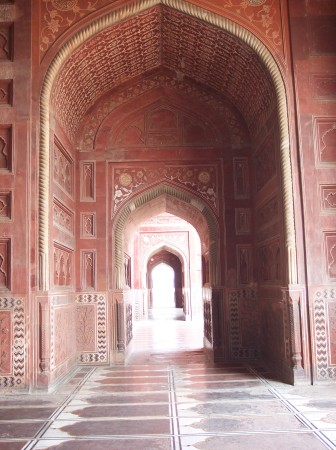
pixel 5 264
pixel 6 148
pixel 6 206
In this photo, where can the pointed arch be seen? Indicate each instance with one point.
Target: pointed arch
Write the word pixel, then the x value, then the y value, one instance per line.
pixel 168 192
pixel 114 18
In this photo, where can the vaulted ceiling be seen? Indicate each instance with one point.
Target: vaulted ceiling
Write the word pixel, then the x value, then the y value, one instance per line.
pixel 157 38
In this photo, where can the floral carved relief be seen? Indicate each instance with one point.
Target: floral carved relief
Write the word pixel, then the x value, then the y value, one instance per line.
pixel 123 52
pixel 91 328
pixel 5 342
pixel 86 327
pixel 202 180
pixel 64 320
pixel 263 14
pixel 63 168
pixel 58 15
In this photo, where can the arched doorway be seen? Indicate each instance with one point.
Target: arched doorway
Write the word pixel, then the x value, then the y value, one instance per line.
pixel 162 285
pixel 229 135
pixel 164 269
pixel 176 246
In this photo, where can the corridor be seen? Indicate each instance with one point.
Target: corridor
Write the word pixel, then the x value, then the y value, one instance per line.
pixel 169 397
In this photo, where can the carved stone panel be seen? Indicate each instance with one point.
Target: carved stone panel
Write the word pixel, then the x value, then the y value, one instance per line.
pixel 5 342
pixel 63 324
pixel 270 262
pixel 96 311
pixel 86 327
pixel 244 264
pixel 243 220
pixel 63 265
pixel 6 41
pixel 330 249
pixel 63 217
pixel 328 198
pixel 241 178
pixel 6 92
pixel 63 168
pixel 5 206
pixel 325 140
pixel 88 269
pixel 88 225
pixel 6 148
pixel 88 182
pixel 201 179
pixel 5 264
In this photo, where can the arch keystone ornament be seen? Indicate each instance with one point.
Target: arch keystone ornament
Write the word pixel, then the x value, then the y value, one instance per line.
pixel 116 17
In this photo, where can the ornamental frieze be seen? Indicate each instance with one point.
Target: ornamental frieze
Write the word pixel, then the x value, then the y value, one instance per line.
pixel 57 16
pixel 200 179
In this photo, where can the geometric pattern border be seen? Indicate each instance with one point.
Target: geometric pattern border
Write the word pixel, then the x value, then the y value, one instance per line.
pixel 236 349
pixel 17 308
pixel 100 356
pixel 324 370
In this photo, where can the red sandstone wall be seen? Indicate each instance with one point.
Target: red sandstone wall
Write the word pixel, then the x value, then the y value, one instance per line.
pixel 15 192
pixel 313 28
pixel 313 37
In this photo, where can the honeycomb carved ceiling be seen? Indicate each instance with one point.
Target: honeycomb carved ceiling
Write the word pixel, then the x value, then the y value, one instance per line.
pixel 156 38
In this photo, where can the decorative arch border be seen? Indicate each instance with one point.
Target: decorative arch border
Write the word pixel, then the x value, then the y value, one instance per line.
pixel 111 19
pixel 150 194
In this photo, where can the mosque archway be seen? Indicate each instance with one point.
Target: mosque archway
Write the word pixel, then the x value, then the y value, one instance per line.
pixel 172 129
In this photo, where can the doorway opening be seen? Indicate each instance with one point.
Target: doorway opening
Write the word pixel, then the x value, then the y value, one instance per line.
pixel 163 301
pixel 167 266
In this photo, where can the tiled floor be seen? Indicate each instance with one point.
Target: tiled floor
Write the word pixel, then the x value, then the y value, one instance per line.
pixel 170 398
